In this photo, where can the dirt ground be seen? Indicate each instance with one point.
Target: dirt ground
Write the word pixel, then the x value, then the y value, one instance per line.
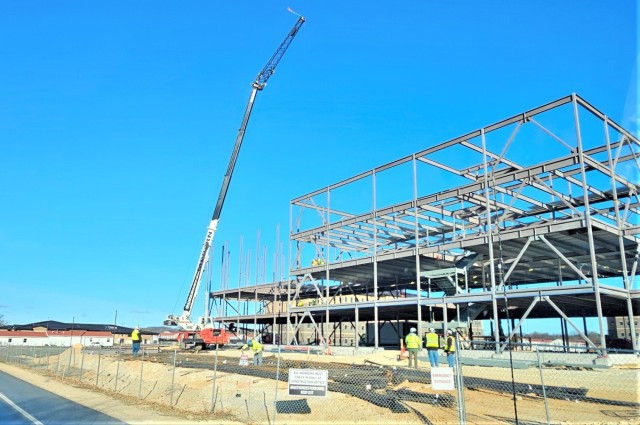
pixel 239 398
pixel 124 409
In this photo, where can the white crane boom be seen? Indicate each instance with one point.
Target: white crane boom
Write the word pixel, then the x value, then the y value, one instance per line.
pixel 184 321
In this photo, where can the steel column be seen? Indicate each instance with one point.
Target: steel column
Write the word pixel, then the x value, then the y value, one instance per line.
pixel 587 215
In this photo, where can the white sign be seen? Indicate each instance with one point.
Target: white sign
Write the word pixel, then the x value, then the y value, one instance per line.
pixel 244 360
pixel 309 382
pixel 442 378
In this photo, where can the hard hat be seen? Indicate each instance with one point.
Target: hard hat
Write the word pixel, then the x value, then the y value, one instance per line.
pixel 138 328
pixel 431 330
pixel 248 342
pixel 450 332
pixel 412 330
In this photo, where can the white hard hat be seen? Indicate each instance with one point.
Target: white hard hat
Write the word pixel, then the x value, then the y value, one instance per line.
pixel 432 330
pixel 449 331
pixel 137 327
pixel 413 330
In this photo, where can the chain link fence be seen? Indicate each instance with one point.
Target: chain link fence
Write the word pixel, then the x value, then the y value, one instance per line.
pixel 513 386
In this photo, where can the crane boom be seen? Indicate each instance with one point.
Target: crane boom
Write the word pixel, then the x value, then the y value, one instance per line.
pixel 258 84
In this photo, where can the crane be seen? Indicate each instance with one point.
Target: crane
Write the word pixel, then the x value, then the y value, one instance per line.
pixel 184 321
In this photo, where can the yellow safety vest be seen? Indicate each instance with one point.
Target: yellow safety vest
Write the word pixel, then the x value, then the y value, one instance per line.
pixel 451 344
pixel 135 335
pixel 413 341
pixel 432 340
pixel 256 346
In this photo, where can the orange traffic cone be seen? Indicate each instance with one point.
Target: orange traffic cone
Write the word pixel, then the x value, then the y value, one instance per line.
pixel 403 351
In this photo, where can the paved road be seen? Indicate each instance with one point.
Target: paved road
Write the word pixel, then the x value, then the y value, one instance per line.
pixel 24 404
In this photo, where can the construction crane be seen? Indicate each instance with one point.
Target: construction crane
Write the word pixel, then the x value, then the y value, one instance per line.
pixel 184 321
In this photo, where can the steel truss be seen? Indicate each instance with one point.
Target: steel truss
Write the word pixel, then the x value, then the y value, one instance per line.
pixel 559 235
pixel 535 216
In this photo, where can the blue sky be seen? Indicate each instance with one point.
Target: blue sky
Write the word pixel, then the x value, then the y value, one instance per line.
pixel 117 120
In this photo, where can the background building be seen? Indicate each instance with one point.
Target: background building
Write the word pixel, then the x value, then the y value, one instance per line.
pixel 88 334
pixel 619 327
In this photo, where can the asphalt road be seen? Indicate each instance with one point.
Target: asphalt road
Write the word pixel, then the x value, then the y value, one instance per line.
pixel 24 404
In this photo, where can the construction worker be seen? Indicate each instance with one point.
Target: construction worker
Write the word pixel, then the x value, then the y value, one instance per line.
pixel 135 341
pixel 257 351
pixel 433 345
pixel 314 262
pixel 413 343
pixel 450 348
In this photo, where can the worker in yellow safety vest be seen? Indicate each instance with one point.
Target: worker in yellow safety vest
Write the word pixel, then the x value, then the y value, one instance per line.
pixel 257 350
pixel 433 345
pixel 450 348
pixel 413 343
pixel 135 341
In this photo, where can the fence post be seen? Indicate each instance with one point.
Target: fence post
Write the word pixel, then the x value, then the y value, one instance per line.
pixel 215 375
pixel 48 352
pixel 81 365
pixel 64 371
pixel 98 371
pixel 275 401
pixel 140 384
pixel 115 387
pixel 544 392
pixel 173 376
pixel 58 363
pixel 462 412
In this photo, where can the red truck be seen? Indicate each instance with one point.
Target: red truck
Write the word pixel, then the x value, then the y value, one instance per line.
pixel 202 339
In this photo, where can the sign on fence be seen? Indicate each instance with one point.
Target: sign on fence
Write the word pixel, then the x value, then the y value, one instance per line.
pixel 244 360
pixel 442 378
pixel 309 382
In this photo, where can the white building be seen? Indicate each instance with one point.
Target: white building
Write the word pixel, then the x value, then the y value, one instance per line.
pixel 84 338
pixel 24 338
pixel 56 338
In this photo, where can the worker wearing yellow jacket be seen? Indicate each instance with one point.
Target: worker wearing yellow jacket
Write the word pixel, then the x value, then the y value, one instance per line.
pixel 433 345
pixel 257 350
pixel 413 343
pixel 135 341
pixel 450 348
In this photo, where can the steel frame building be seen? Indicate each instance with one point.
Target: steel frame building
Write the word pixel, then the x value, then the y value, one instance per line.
pixel 535 216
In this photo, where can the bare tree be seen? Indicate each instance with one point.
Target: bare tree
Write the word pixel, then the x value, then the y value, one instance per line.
pixel 3 322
